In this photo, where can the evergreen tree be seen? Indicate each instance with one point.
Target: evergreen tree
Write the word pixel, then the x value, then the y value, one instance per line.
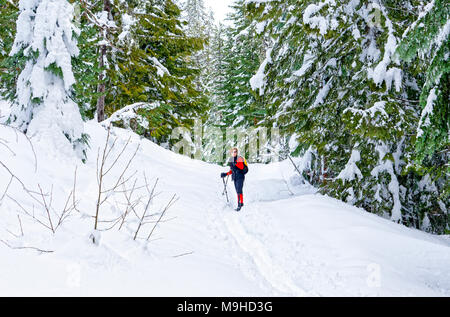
pixel 332 78
pixel 235 106
pixel 213 132
pixel 137 52
pixel 153 67
pixel 428 38
pixel 86 68
pixel 200 25
pixel 243 59
pixel 43 107
pixel 9 10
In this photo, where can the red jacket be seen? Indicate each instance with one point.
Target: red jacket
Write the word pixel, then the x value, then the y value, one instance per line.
pixel 236 167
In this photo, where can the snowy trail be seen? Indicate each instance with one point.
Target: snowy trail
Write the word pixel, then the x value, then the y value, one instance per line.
pixel 262 259
pixel 286 241
pixel 296 259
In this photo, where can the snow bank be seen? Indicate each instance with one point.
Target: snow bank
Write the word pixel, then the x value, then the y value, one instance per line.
pixel 286 241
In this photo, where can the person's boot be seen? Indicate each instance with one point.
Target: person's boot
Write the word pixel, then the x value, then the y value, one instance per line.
pixel 239 206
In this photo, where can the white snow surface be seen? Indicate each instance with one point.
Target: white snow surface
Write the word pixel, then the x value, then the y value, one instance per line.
pixel 286 241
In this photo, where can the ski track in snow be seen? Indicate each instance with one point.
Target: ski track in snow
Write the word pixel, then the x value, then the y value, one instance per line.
pixel 250 231
pixel 273 273
pixel 285 263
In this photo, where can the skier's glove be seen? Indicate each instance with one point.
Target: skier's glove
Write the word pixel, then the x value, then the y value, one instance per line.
pixel 223 175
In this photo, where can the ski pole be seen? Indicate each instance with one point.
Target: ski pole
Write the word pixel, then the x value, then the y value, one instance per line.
pixel 225 188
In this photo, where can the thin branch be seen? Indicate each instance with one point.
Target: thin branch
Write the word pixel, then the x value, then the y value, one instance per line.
pixel 172 201
pixel 127 166
pixel 129 205
pixel 7 187
pixel 21 183
pixel 20 223
pixel 47 207
pixel 183 254
pixel 111 148
pixel 27 213
pixel 113 189
pixel 118 156
pixel 13 234
pixel 161 221
pixel 146 207
pixel 74 202
pixel 100 177
pixel 21 248
pixel 17 131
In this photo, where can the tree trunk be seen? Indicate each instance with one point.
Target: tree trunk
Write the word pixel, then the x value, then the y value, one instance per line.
pixel 101 88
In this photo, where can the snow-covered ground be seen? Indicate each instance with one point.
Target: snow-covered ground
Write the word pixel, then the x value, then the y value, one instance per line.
pixel 286 241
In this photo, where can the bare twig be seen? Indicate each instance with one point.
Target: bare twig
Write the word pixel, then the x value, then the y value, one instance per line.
pixel 183 254
pixel 16 178
pixel 17 131
pixel 21 248
pixel 129 204
pixel 47 207
pixel 4 143
pixel 146 207
pixel 100 178
pixel 126 167
pixel 13 234
pixel 104 194
pixel 6 189
pixel 118 156
pixel 28 213
pixel 171 202
pixel 161 221
pixel 20 223
pixel 74 201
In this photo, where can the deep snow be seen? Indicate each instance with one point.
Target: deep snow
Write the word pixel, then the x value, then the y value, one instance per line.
pixel 286 241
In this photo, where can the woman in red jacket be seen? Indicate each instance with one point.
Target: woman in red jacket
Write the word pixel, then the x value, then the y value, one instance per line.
pixel 238 169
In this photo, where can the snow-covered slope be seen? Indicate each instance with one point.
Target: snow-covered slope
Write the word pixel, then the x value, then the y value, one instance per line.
pixel 286 241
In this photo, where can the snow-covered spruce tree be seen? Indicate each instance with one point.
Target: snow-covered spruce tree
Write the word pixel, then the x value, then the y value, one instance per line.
pixel 9 10
pixel 86 66
pixel 237 106
pixel 428 39
pixel 213 128
pixel 43 107
pixel 136 52
pixel 332 77
pixel 153 67
pixel 200 25
pixel 242 60
pixel 103 25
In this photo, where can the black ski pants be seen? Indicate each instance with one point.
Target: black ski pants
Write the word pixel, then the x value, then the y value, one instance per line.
pixel 239 184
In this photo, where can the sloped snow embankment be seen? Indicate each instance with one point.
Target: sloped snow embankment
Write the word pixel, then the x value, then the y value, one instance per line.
pixel 287 241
